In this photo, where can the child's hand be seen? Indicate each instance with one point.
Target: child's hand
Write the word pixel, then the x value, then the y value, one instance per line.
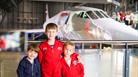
pixel 78 57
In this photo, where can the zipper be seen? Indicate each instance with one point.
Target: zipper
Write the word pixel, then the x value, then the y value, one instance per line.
pixel 32 70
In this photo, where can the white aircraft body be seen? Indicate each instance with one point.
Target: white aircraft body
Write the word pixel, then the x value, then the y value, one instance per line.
pixel 87 23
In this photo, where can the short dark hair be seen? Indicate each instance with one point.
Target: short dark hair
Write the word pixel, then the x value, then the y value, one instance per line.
pixel 51 26
pixel 33 47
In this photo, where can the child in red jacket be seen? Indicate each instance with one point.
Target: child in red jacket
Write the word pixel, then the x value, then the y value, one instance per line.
pixel 70 64
pixel 50 52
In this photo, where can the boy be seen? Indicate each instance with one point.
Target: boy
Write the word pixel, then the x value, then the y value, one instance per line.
pixel 50 52
pixel 29 65
pixel 70 64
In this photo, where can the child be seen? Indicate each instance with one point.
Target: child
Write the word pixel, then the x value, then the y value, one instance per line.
pixel 29 65
pixel 70 64
pixel 50 52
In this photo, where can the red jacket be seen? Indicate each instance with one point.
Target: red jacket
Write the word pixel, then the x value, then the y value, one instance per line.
pixel 49 58
pixel 76 69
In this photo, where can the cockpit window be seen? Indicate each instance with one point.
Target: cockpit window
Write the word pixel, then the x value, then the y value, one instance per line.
pixel 85 16
pixel 92 15
pixel 104 14
pixel 80 14
pixel 99 14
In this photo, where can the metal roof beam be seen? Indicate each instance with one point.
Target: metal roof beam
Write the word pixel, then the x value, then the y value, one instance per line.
pixel 80 1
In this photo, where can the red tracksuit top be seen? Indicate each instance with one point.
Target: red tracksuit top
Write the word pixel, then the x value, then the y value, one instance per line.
pixel 76 69
pixel 49 58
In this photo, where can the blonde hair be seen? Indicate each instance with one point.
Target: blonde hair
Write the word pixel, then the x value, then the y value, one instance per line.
pixel 68 43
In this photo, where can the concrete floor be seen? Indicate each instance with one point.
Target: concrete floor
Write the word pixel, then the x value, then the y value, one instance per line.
pixel 8 63
pixel 107 63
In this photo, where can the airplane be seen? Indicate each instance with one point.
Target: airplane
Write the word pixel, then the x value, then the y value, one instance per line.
pixel 87 23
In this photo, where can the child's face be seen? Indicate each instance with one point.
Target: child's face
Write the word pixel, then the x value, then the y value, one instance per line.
pixel 32 54
pixel 68 50
pixel 51 33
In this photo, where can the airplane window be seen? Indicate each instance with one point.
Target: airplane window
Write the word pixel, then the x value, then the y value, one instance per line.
pixel 99 14
pixel 104 14
pixel 85 16
pixel 92 15
pixel 81 14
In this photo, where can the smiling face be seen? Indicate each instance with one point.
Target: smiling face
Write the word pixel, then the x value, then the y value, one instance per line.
pixel 68 50
pixel 51 30
pixel 32 54
pixel 51 33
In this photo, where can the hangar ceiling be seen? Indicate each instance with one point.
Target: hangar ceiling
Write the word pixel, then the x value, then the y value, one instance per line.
pixel 79 1
pixel 6 5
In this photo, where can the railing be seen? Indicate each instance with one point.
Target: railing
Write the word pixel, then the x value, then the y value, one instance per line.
pixel 125 45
